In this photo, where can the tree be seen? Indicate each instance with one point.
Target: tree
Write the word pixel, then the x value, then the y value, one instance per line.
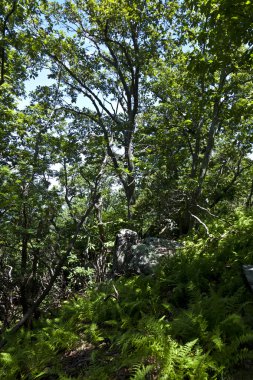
pixel 105 52
pixel 199 132
pixel 42 223
pixel 156 94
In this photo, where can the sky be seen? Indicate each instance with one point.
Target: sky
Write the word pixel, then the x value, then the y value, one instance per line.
pixel 31 84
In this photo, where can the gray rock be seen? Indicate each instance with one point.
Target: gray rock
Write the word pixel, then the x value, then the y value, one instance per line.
pixel 123 254
pixel 248 272
pixel 147 254
pixel 139 257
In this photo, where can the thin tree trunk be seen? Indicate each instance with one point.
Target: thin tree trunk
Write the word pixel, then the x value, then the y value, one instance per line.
pixel 249 199
pixel 24 258
pixel 211 136
pixel 62 261
pixel 27 316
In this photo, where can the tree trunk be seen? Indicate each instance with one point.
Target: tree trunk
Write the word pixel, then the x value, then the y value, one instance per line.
pixel 29 313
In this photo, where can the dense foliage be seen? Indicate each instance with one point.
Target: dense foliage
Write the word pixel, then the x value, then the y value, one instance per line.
pixel 191 319
pixel 142 120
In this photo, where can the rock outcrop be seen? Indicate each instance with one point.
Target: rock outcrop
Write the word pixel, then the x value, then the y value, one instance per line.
pixel 123 252
pixel 133 256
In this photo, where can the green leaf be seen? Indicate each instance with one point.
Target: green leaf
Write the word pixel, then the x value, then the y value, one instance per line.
pixel 6 358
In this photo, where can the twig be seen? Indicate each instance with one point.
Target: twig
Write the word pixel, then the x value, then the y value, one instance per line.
pixel 200 221
pixel 205 209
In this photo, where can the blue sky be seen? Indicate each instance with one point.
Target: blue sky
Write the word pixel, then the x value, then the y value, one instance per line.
pixel 31 84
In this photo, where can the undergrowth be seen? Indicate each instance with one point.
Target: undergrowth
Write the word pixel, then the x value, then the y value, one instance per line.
pixel 191 319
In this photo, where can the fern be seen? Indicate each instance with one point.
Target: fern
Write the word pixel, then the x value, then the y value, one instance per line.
pixel 140 372
pixel 8 366
pixel 238 351
pixel 192 320
pixel 188 361
pixel 189 325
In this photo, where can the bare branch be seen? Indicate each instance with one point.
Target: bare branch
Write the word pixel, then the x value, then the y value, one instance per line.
pixel 200 221
pixel 205 209
pixel 89 93
pixel 62 260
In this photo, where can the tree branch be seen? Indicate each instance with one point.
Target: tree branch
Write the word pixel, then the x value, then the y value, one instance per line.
pixel 5 28
pixel 200 221
pixel 62 261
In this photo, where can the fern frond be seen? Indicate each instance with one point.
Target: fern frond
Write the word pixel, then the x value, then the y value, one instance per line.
pixel 141 371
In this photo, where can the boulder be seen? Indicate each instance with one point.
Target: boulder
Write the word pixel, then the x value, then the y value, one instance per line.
pixel 147 254
pixel 123 254
pixel 133 256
